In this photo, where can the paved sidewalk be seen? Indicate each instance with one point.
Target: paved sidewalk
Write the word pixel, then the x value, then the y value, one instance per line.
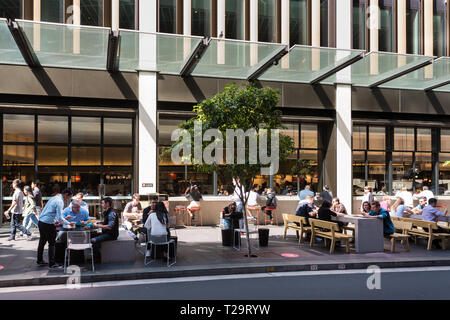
pixel 200 252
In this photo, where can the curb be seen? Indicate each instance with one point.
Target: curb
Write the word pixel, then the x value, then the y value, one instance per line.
pixel 209 271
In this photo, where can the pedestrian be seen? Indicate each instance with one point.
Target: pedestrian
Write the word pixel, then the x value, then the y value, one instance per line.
pixel 49 219
pixel 16 209
pixel 29 209
pixel 37 198
pixel 367 197
pixel 326 194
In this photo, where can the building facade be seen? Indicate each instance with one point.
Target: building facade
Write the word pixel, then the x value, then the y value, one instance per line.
pixel 73 119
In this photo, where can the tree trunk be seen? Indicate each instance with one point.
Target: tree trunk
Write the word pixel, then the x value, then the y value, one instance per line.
pixel 249 249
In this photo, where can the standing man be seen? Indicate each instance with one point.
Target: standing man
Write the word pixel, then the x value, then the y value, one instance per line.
pixel 37 197
pixel 49 219
pixel 110 227
pixel 16 209
pixel 306 192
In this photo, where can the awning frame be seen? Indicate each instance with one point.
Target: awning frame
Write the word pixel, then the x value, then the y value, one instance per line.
pixel 23 43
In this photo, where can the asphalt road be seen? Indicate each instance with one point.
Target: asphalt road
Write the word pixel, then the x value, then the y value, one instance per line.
pixel 408 283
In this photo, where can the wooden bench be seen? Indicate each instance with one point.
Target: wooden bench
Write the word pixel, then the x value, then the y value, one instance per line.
pixel 328 230
pixel 417 230
pixel 290 221
pixel 120 250
pixel 403 227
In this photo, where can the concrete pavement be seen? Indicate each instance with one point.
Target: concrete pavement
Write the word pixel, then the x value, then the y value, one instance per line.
pixel 200 253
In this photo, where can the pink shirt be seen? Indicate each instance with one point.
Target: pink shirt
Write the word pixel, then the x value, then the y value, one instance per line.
pixel 384 205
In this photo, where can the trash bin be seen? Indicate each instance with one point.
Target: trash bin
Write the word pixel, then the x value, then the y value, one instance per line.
pixel 263 237
pixel 226 237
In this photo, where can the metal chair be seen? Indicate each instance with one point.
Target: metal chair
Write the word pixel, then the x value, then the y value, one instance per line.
pixel 252 229
pixel 78 240
pixel 155 241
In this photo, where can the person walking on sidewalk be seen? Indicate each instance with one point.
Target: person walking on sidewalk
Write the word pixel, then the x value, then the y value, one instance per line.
pixel 49 219
pixel 16 209
pixel 37 197
pixel 29 209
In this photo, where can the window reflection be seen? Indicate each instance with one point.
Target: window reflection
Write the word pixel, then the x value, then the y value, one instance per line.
pixel 404 139
pixel 402 171
pixel 298 22
pixel 440 27
pixel 423 170
pixel 359 172
pixel 18 128
pixel 86 130
pixel 11 8
pixel 167 16
pixel 52 11
pixel 86 171
pixel 359 24
pixel 267 21
pixel 324 23
pixel 52 129
pixel 52 168
pixel 309 169
pixel 413 26
pixel 385 23
pixel 377 138
pixel 291 131
pixel 117 131
pixel 359 137
pixel 126 14
pixel 18 163
pixel 445 140
pixel 377 172
pixel 444 174
pixel 423 139
pixel 201 18
pixel 309 136
pixel 91 12
pixel 234 19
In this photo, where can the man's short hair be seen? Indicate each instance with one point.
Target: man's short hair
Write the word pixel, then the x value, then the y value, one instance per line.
pixel 79 194
pixel 75 202
pixel 425 188
pixel 108 200
pixel 67 191
pixel 432 201
pixel 154 198
pixel 17 182
pixel 375 203
pixel 423 198
pixel 308 187
pixel 136 196
pixel 309 197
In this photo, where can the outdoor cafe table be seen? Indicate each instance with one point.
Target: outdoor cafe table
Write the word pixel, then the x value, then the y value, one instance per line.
pixel 61 243
pixel 369 235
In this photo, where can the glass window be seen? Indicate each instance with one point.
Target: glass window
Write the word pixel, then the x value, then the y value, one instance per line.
pixel 52 11
pixel 127 14
pixel 402 171
pixel 53 129
pixel 423 170
pixel 267 21
pixel 18 163
pixel 18 128
pixel 309 136
pixel 385 23
pixel 440 27
pixel 85 169
pixel 377 138
pixel 201 18
pixel 168 16
pixel 359 172
pixel 234 20
pixel 291 131
pixel 377 171
pixel 298 22
pixel 359 24
pixel 444 173
pixel 52 168
pixel 91 12
pixel 413 26
pixel 445 140
pixel 359 137
pixel 165 129
pixel 11 8
pixel 117 156
pixel 86 130
pixel 324 23
pixel 423 139
pixel 119 170
pixel 117 131
pixel 85 156
pixel 404 139
pixel 309 169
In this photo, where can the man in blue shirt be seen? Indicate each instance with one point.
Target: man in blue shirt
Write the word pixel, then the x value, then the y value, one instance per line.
pixel 49 219
pixel 306 192
pixel 380 213
pixel 306 209
pixel 75 213
pixel 431 213
pixel 79 197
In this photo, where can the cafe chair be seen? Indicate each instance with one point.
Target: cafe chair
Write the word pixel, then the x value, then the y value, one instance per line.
pixel 252 230
pixel 78 240
pixel 155 241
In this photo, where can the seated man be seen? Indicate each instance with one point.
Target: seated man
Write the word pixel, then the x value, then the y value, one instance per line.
pixel 83 205
pixel 110 227
pixel 306 209
pixel 75 213
pixel 422 204
pixel 431 213
pixel 132 211
pixel 379 213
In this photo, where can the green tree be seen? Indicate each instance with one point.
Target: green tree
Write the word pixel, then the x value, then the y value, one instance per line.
pixel 235 108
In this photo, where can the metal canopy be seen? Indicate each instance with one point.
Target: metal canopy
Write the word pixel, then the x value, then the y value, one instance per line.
pixel 237 59
pixel 305 64
pixel 43 44
pixel 427 78
pixel 377 68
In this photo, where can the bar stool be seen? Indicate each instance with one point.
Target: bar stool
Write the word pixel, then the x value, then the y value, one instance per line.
pixel 197 211
pixel 180 210
pixel 274 215
pixel 256 209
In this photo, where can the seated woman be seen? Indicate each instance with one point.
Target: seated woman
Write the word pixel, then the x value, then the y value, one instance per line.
pixel 231 216
pixel 365 208
pixel 325 213
pixel 194 195
pixel 399 209
pixel 157 225
pixel 338 207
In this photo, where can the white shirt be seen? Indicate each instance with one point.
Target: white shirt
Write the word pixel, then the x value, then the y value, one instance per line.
pixel 427 194
pixel 236 194
pixel 407 197
pixel 253 199
pixel 154 226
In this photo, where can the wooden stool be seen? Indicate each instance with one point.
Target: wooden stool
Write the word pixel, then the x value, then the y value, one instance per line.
pixel 196 210
pixel 257 209
pixel 274 215
pixel 180 210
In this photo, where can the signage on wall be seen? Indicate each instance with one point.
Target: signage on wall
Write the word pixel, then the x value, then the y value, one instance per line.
pixel 147 185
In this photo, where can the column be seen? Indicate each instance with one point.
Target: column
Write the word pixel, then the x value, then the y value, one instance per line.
pixel 285 31
pixel 374 26
pixel 401 26
pixel 344 175
pixel 221 30
pixel 315 23
pixel 115 14
pixel 76 31
pixel 428 27
pixel 253 31
pixel 147 163
pixel 36 27
pixel 187 17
